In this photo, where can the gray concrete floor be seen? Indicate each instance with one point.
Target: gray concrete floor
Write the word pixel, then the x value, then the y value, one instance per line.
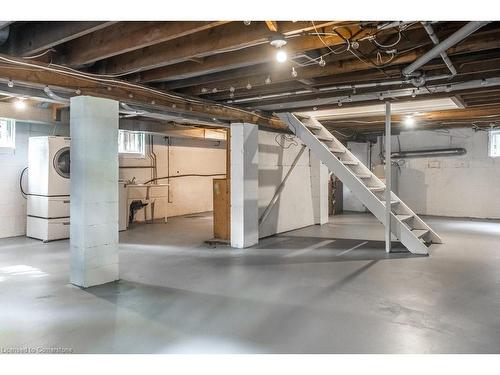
pixel 313 290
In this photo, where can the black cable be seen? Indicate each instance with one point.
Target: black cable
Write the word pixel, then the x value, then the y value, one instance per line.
pixel 23 193
pixel 182 175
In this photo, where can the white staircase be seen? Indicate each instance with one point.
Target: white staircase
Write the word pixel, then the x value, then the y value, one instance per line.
pixel 408 228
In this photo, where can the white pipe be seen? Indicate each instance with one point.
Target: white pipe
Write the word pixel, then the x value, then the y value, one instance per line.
pixel 388 206
pixel 428 28
pixel 334 88
pixel 449 42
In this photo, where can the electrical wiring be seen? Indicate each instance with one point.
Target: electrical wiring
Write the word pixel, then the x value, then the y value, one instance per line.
pixel 282 139
pixel 110 81
pixel 23 193
pixel 182 175
pixel 374 40
pixel 40 54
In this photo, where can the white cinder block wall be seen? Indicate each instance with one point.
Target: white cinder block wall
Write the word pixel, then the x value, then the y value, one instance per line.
pixel 461 186
pixel 295 207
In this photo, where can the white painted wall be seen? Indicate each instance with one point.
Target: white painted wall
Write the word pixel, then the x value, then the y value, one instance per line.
pixel 351 202
pixel 295 207
pixel 12 162
pixel 186 195
pixel 462 186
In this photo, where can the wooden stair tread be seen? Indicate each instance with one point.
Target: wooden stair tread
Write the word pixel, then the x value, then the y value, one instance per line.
pixel 404 217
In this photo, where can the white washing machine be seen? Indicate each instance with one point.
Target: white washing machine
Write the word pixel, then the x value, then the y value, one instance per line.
pixel 48 188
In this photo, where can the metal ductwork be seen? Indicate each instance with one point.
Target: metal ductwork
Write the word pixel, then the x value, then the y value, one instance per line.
pixel 429 153
pixel 455 38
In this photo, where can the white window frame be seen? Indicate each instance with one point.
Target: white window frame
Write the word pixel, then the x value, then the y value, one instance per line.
pixel 8 134
pixel 494 143
pixel 138 150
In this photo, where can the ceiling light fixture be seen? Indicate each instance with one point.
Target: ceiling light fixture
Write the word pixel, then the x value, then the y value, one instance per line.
pixel 281 56
pixel 409 121
pixel 277 40
pixel 231 89
pixel 247 23
pixel 20 104
pixel 249 86
pixel 322 62
pixel 294 73
pixel 204 90
pixel 268 80
pixel 10 83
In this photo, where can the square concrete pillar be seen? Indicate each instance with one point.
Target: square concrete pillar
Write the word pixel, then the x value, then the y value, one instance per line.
pixel 94 191
pixel 244 185
pixel 319 189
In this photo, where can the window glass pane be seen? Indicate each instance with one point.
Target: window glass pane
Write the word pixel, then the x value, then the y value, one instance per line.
pixel 7 132
pixel 130 142
pixel 494 150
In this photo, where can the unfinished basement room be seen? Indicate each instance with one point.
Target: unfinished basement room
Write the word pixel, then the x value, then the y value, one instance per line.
pixel 250 187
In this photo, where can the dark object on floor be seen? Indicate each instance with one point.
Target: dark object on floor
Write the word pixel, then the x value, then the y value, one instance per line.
pixel 134 207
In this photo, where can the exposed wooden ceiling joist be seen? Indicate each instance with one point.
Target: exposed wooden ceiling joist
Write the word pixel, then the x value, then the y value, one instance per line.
pixel 237 59
pixel 127 36
pixel 35 37
pixel 473 44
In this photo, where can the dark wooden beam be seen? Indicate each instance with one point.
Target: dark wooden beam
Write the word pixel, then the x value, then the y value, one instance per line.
pixel 238 59
pixel 217 40
pixel 473 44
pixel 35 37
pixel 41 75
pixel 128 36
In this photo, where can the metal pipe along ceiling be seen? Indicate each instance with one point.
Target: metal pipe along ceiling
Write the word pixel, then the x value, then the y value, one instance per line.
pixel 455 38
pixel 428 28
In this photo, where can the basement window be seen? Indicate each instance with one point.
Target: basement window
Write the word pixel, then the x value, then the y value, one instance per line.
pixel 131 143
pixel 7 133
pixel 494 143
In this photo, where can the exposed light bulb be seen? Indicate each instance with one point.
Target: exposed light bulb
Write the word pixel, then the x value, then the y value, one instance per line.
pixel 294 73
pixel 10 83
pixel 214 90
pixel 204 90
pixel 409 121
pixel 281 56
pixel 268 80
pixel 413 93
pixel 249 86
pixel 231 89
pixel 339 103
pixel 355 45
pixel 315 108
pixel 247 23
pixel 322 62
pixel 381 96
pixel 78 91
pixel 20 104
pixel 231 95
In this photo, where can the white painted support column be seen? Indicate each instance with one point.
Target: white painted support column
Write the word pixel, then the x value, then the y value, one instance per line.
pixel 94 191
pixel 388 177
pixel 244 185
pixel 319 189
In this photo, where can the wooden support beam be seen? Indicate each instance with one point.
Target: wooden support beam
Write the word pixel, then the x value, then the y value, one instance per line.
pixel 127 36
pixel 220 40
pixel 41 75
pixel 35 37
pixel 272 26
